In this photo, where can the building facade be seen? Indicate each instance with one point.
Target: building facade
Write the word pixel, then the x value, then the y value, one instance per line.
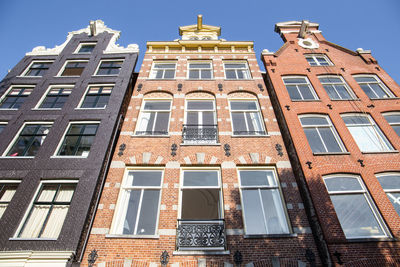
pixel 200 176
pixel 60 109
pixel 339 115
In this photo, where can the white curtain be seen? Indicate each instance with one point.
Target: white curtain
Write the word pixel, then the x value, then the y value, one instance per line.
pixel 55 221
pixel 65 194
pixel 2 209
pixel 8 194
pixel 35 221
pixel 47 194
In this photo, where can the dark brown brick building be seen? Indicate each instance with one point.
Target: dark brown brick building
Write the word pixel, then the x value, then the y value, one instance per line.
pixel 339 114
pixel 200 171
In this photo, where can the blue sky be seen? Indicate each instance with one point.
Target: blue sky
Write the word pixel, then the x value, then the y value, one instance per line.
pixel 371 25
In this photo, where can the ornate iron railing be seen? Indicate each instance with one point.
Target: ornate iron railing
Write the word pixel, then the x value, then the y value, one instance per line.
pixel 200 133
pixel 249 132
pixel 151 133
pixel 201 234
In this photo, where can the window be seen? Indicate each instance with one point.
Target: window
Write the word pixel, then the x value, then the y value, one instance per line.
pixel 97 96
pixel 321 134
pixel 200 70
pixel 299 88
pixel 246 118
pixel 336 88
pixel 237 71
pixel 154 117
pixel 318 60
pixel 356 212
pixel 29 140
pixel 7 191
pixel 37 68
pixel 201 195
pixel 390 183
pixel 394 120
pixel 263 206
pixel 109 67
pixel 163 70
pixel 138 204
pixel 73 68
pixel 373 87
pixel 15 97
pixel 2 126
pixel 78 139
pixel 366 133
pixel 85 48
pixel 56 97
pixel 200 122
pixel 49 210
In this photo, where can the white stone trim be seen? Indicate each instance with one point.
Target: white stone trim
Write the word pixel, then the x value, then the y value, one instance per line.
pixel 35 258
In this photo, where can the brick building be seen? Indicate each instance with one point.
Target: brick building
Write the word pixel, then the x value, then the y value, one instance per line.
pixel 60 109
pixel 339 115
pixel 200 171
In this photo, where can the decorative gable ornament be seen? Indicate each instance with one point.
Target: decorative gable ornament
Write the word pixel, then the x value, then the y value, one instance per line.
pixel 308 43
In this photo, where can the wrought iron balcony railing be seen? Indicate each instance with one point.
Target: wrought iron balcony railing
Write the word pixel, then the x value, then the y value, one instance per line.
pixel 194 133
pixel 249 132
pixel 151 133
pixel 201 235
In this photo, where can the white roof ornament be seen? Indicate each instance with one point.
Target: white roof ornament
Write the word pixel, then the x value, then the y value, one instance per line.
pixel 94 28
pixel 303 28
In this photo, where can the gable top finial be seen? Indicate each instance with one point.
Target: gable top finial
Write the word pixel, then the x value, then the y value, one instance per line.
pixel 199 31
pixel 199 22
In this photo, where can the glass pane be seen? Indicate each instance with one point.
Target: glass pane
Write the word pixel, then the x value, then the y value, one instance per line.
pixel 330 80
pixel 295 80
pixel 244 105
pixel 239 123
pixel 329 140
pixel 36 142
pixel 157 105
pixel 131 212
pixel 55 222
pixel 169 74
pixel 396 129
pixel 355 216
pixel 368 91
pixel 200 204
pixel 322 61
pixel 314 140
pixel 89 102
pixel 90 129
pixel 200 105
pixel 162 122
pixel 200 178
pixel 234 66
pixel 199 65
pixel 206 74
pixel 194 74
pixel 192 118
pixel 311 61
pixel 365 79
pixel 342 90
pixel 306 92
pixel 342 184
pixel 392 118
pixel 349 120
pixel 274 215
pixel 35 221
pixel 230 74
pixel 293 92
pixel 75 129
pixel 389 181
pixel 148 213
pixel 84 146
pixel 148 122
pixel 7 193
pixel 369 138
pixel 257 178
pixel 330 90
pixel 208 118
pixel 103 101
pixel 65 193
pixel 253 211
pixel 395 199
pixel 2 127
pixel 379 91
pixel 314 121
pixel 164 66
pixel 146 178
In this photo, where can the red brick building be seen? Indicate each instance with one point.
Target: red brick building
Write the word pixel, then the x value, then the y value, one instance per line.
pixel 200 171
pixel 339 114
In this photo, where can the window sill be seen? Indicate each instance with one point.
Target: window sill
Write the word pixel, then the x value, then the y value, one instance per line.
pixel 69 76
pixel 372 239
pixel 17 157
pixel 270 236
pixel 200 79
pixel 351 99
pixel 386 98
pixel 28 76
pixel 331 153
pixel 90 108
pixel 251 136
pixel 69 157
pixel 113 75
pixel 31 239
pixel 200 144
pixel 201 252
pixel 306 100
pixel 238 79
pixel 152 79
pixel 13 109
pixel 46 109
pixel 132 236
pixel 380 152
pixel 150 136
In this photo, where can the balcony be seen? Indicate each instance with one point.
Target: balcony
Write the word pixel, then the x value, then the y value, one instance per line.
pixel 151 133
pixel 201 235
pixel 200 134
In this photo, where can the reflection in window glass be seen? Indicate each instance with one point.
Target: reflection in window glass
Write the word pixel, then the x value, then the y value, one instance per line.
pixel 78 140
pixel 390 183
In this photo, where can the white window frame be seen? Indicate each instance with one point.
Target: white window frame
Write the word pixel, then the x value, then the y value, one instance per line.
pixel 118 219
pixel 142 110
pixel 314 57
pixel 344 83
pixel 153 72
pixel 27 212
pixel 383 140
pixel 367 198
pixel 397 113
pixel 316 126
pixel 108 60
pixel 310 86
pixel 30 65
pixel 200 62
pixel 10 145
pixel 72 61
pixel 384 88
pixel 244 111
pixel 82 44
pixel 87 90
pixel 277 186
pixel 10 88
pixel 5 182
pixel 67 86
pixel 248 72
pixel 219 187
pixel 64 134
pixel 388 191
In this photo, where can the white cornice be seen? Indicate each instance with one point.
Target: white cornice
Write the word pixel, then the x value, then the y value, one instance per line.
pixel 99 27
pixel 35 258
